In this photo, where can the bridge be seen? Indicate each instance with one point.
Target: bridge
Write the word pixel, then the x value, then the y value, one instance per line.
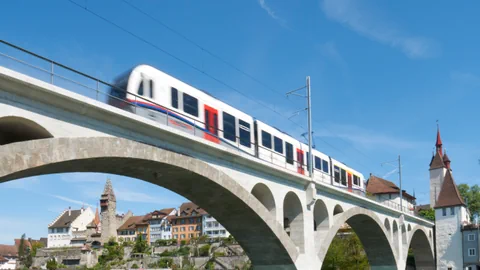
pixel 56 120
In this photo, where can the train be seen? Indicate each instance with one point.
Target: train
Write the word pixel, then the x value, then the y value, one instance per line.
pixel 154 94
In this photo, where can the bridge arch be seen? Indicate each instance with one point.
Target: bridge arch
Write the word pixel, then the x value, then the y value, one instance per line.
pixel 337 209
pixel 320 216
pixel 422 249
pixel 265 196
pixel 19 129
pixel 233 206
pixel 293 219
pixel 371 232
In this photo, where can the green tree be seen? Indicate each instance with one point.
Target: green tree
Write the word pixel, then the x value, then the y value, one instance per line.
pixel 428 214
pixel 52 264
pixel 24 253
pixel 346 252
pixel 471 196
pixel 35 247
pixel 141 245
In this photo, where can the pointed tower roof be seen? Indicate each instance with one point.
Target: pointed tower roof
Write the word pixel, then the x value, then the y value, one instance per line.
pixel 449 194
pixel 437 162
pixel 439 139
pixel 446 160
pixel 108 190
pixel 96 220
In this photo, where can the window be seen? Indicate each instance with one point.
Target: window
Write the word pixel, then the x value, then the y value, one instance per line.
pixel 336 174
pixel 244 133
pixel 140 88
pixel 444 211
pixel 318 163
pixel 289 152
pixel 355 180
pixel 472 252
pixel 229 127
pixel 390 196
pixel 192 221
pixel 307 160
pixel 174 98
pixel 325 166
pixel 151 89
pixel 266 140
pixel 278 145
pixel 182 236
pixel 344 177
pixel 452 211
pixel 471 237
pixel 190 105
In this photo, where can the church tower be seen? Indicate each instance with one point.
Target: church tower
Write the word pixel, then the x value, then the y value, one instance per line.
pixel 437 170
pixel 108 210
pixel 450 214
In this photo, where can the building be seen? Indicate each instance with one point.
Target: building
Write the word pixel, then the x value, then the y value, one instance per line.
pixel 471 246
pixel 388 193
pixel 94 230
pixel 212 228
pixel 109 219
pixel 187 224
pixel 452 219
pixel 160 225
pixel 135 226
pixel 69 228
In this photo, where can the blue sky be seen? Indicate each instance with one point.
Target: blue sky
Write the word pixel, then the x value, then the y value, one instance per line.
pixel 382 74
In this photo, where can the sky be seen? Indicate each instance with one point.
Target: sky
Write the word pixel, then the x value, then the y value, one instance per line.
pixel 382 73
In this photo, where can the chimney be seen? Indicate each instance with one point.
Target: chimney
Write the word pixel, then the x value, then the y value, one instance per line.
pixel 69 211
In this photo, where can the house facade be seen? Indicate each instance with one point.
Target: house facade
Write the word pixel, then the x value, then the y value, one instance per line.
pixel 160 225
pixel 135 226
pixel 212 228
pixel 69 228
pixel 187 224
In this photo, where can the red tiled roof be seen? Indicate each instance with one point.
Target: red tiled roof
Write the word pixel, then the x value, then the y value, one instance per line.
pixel 189 207
pixel 449 194
pixel 437 162
pixel 132 223
pixel 159 213
pixel 439 140
pixel 377 185
pixel 8 250
pixel 3 260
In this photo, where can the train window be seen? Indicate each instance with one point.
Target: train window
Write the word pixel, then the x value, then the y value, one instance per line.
pixel 343 176
pixel 266 139
pixel 151 89
pixel 229 127
pixel 325 166
pixel 355 180
pixel 318 163
pixel 174 97
pixel 140 88
pixel 244 133
pixel 337 174
pixel 190 105
pixel 278 145
pixel 307 159
pixel 289 152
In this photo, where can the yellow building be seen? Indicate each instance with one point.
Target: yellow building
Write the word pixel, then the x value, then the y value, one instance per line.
pixel 136 226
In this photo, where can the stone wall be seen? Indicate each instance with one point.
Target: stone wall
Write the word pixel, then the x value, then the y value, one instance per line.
pixel 88 258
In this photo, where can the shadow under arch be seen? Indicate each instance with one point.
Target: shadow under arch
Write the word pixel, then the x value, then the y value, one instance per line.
pixel 18 129
pixel 371 232
pixel 265 196
pixel 422 249
pixel 263 239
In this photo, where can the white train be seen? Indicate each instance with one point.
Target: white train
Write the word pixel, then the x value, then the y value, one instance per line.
pixel 154 94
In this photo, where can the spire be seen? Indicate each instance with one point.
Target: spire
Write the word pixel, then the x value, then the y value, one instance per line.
pixel 438 144
pixel 96 220
pixel 446 160
pixel 108 190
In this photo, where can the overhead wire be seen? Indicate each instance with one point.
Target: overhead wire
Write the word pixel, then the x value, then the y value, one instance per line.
pixel 158 21
pixel 85 8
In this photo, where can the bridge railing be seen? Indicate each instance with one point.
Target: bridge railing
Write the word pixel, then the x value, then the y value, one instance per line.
pixel 50 71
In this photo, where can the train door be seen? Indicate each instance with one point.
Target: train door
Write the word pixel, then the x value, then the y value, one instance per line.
pixel 349 182
pixel 300 163
pixel 211 124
